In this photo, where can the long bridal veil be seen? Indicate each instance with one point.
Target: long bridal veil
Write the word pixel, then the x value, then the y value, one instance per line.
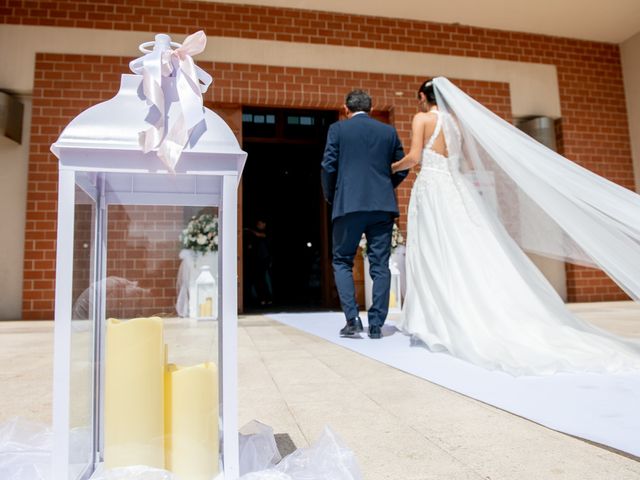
pixel 547 204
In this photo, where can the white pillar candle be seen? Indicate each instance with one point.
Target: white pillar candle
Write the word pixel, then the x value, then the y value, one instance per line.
pixel 134 393
pixel 192 421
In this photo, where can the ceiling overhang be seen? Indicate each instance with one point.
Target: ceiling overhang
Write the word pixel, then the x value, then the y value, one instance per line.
pixel 613 21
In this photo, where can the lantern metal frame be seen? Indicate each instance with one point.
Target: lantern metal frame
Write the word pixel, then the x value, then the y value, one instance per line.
pixel 99 151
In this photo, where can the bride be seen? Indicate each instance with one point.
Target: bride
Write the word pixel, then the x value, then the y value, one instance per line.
pixel 485 193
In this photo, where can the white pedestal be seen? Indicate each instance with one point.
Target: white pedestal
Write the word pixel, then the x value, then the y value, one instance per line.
pixel 398 275
pixel 186 305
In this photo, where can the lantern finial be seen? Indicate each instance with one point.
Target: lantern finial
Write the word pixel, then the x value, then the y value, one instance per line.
pixel 161 43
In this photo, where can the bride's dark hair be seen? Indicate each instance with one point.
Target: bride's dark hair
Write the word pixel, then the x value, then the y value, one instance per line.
pixel 429 92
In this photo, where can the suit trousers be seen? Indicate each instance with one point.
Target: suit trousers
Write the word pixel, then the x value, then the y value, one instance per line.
pixel 347 232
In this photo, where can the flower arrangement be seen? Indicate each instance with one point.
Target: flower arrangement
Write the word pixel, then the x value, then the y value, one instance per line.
pixel 396 239
pixel 201 234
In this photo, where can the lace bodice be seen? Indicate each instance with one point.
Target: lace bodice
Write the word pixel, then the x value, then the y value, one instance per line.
pixel 432 160
pixel 435 161
pixel 437 169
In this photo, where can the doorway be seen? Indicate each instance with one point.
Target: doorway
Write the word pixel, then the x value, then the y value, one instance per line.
pixel 286 237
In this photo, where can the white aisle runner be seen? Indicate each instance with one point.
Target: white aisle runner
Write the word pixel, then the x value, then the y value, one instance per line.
pixel 601 408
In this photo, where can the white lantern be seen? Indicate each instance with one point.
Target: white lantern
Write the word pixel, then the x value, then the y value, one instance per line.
pixel 396 294
pixel 206 293
pixel 146 390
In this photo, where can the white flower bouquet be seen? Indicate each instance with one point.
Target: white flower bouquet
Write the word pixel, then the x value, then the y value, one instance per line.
pixel 201 234
pixel 396 239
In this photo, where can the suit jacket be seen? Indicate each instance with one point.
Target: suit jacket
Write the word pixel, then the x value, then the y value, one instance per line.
pixel 356 168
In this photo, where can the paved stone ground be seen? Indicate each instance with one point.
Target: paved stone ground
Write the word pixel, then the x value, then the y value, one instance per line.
pixel 400 426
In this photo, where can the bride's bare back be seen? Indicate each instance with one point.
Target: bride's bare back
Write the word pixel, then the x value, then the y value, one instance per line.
pixel 423 127
pixel 439 145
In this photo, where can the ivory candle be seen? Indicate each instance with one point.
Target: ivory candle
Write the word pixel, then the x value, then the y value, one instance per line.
pixel 192 421
pixel 134 393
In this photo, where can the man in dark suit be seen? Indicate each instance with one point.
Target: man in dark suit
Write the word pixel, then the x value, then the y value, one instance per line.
pixel 358 183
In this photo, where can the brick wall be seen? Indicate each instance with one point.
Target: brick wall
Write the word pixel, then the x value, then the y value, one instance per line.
pixel 594 123
pixel 593 128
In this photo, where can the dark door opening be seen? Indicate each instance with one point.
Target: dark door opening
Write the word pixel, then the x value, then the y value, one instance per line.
pixel 286 227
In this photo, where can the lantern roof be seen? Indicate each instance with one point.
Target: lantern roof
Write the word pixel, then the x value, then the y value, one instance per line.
pixel 107 136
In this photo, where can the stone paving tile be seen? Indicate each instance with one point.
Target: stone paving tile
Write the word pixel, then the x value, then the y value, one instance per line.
pixel 399 426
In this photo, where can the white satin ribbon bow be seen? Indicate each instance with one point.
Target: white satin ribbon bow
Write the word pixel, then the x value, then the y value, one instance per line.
pixel 191 83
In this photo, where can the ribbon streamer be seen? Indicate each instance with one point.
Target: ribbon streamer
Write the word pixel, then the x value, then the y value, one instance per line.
pixel 191 82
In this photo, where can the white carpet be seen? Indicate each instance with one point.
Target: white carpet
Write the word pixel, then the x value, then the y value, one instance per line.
pixel 601 408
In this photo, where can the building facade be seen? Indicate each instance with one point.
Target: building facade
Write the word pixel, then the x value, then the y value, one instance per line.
pixel 293 66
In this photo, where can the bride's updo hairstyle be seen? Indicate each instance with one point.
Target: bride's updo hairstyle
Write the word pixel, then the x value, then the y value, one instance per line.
pixel 429 92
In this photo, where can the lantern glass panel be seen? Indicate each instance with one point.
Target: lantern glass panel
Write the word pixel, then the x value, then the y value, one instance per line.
pixel 135 254
pixel 83 316
pixel 166 361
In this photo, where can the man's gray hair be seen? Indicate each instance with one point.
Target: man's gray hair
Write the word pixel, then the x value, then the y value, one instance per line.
pixel 358 101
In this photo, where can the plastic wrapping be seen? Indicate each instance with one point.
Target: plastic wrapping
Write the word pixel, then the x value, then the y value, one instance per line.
pixel 258 449
pixel 137 472
pixel 270 474
pixel 25 454
pixel 327 459
pixel 25 450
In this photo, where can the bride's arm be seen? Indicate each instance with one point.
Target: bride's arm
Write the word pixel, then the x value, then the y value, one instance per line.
pixel 422 124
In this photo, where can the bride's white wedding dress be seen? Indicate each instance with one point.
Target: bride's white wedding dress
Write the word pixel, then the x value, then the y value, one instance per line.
pixel 471 291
